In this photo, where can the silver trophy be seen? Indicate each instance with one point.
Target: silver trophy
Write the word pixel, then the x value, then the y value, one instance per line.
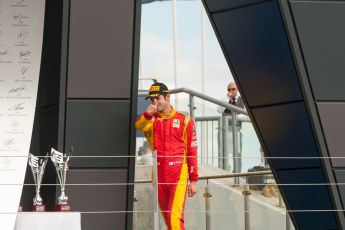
pixel 38 166
pixel 60 161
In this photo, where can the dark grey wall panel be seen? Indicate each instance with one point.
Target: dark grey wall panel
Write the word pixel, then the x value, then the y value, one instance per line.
pixel 272 52
pixel 320 26
pixel 332 119
pixel 98 127
pixel 141 107
pixel 286 132
pixel 48 90
pixel 92 197
pixel 100 49
pixel 255 38
pixel 48 127
pixel 35 136
pixel 313 197
pixel 217 5
pixel 340 176
pixel 90 55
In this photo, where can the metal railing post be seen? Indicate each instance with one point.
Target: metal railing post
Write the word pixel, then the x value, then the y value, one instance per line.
pixel 235 147
pixel 207 196
pixel 135 208
pixel 246 193
pixel 288 223
pixel 280 204
pixel 191 106
pixel 220 143
pixel 225 132
pixel 155 189
pixel 204 141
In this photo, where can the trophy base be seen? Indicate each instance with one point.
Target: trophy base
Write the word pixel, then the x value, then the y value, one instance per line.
pixel 38 208
pixel 62 207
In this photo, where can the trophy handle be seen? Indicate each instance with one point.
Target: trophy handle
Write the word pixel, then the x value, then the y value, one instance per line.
pixel 33 174
pixel 60 161
pixel 59 175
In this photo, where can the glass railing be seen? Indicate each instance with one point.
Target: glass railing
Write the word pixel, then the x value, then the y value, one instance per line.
pixel 216 146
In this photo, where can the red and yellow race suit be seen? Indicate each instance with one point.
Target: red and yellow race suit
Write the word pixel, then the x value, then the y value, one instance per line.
pixel 173 137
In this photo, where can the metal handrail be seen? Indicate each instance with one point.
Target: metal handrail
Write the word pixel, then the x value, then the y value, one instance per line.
pixel 221 176
pixel 202 96
pixel 210 99
pixel 215 118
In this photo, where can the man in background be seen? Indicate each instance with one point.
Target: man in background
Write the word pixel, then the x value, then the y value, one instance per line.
pixel 233 98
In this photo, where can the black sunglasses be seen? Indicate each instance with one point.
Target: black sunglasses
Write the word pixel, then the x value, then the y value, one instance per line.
pixel 232 89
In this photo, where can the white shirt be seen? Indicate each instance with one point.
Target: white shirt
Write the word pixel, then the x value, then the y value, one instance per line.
pixel 221 109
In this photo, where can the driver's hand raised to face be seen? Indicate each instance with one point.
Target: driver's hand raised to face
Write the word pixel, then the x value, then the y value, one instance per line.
pixel 152 108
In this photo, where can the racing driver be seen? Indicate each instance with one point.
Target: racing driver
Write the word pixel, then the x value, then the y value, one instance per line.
pixel 172 135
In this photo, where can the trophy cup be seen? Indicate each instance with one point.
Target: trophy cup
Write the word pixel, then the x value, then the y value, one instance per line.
pixel 37 167
pixel 60 161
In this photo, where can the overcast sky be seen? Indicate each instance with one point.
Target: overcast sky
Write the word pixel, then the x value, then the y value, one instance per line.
pixel 157 48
